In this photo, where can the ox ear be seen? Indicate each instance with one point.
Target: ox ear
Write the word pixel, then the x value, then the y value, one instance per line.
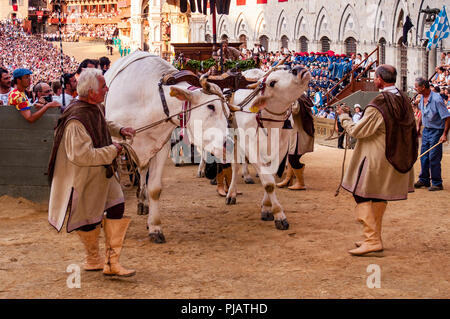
pixel 259 104
pixel 180 94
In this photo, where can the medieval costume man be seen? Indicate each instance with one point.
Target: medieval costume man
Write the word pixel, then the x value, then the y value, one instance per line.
pixel 381 168
pixel 301 142
pixel 81 171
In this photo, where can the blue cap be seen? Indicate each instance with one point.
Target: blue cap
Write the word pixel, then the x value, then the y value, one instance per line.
pixel 18 73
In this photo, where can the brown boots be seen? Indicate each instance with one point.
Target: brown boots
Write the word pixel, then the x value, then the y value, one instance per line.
pixel 115 230
pixel 90 240
pixel 299 183
pixel 288 179
pixel 370 214
pixel 224 176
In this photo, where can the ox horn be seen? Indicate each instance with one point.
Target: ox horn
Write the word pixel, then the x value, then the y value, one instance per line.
pixel 275 67
pixel 233 108
pixel 253 86
pixel 208 87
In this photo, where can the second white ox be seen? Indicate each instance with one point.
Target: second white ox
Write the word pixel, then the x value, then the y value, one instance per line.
pixel 134 100
pixel 281 89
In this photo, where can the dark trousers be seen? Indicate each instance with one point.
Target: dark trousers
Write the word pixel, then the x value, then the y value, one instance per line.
pixel 115 212
pixel 342 136
pixel 359 199
pixel 431 162
pixel 294 160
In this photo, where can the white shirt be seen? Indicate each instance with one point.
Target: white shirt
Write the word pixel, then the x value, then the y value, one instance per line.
pixel 58 99
pixel 391 89
pixel 4 97
pixel 356 117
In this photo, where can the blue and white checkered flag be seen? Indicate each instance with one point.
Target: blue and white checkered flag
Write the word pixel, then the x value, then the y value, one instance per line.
pixel 439 30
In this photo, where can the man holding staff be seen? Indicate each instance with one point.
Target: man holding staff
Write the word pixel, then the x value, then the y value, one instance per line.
pixel 436 122
pixel 381 168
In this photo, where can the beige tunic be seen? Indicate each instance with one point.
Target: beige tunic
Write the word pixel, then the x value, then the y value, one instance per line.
pixel 298 134
pixel 79 173
pixel 369 174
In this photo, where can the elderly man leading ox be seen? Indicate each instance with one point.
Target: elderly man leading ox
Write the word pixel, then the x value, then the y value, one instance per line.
pixel 81 171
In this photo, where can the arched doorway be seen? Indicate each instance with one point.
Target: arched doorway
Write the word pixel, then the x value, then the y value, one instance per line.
pixel 325 44
pixel 382 45
pixel 403 64
pixel 284 42
pixel 243 39
pixel 264 41
pixel 303 44
pixel 350 46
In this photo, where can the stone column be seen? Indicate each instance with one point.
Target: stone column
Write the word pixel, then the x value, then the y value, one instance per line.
pixel 137 36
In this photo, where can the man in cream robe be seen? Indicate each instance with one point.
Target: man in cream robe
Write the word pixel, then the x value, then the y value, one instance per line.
pixel 381 168
pixel 81 171
pixel 301 141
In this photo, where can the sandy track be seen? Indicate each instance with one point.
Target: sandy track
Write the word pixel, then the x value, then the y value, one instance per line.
pixel 219 251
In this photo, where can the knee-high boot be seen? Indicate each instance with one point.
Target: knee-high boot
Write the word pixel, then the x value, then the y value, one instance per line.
pixel 220 183
pixel 371 217
pixel 379 209
pixel 287 180
pixel 299 183
pixel 90 240
pixel 115 230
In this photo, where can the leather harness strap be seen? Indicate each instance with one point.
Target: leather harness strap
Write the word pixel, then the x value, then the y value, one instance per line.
pixel 163 98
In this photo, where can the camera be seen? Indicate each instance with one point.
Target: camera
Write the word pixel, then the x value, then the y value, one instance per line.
pixel 48 98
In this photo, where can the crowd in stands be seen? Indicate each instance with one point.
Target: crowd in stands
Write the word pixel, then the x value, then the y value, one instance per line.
pixel 86 14
pixel 21 50
pixel 327 70
pixel 100 31
pixel 440 82
pixel 20 90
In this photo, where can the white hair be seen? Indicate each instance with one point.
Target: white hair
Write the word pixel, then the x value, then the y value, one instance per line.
pixel 88 80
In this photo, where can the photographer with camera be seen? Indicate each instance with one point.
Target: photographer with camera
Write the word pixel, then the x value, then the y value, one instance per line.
pixel 44 96
pixel 19 99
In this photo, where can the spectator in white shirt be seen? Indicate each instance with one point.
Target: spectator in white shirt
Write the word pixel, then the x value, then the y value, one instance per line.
pixel 358 114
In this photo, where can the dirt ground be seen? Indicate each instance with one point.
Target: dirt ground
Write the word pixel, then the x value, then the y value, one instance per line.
pixel 219 251
pixel 83 50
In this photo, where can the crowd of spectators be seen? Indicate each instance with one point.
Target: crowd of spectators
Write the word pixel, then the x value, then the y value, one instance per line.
pixel 21 50
pixel 72 32
pixel 86 15
pixel 327 70
pixel 33 99
pixel 440 82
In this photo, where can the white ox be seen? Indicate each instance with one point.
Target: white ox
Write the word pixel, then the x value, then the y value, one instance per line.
pixel 134 100
pixel 282 89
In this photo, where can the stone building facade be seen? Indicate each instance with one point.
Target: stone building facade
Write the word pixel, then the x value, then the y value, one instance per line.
pixel 13 8
pixel 343 26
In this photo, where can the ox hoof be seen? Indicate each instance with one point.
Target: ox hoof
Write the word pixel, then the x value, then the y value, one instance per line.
pixel 142 209
pixel 201 174
pixel 249 180
pixel 267 216
pixel 213 181
pixel 282 224
pixel 230 201
pixel 157 238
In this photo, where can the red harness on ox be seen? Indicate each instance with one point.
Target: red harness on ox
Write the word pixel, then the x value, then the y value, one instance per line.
pixel 186 113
